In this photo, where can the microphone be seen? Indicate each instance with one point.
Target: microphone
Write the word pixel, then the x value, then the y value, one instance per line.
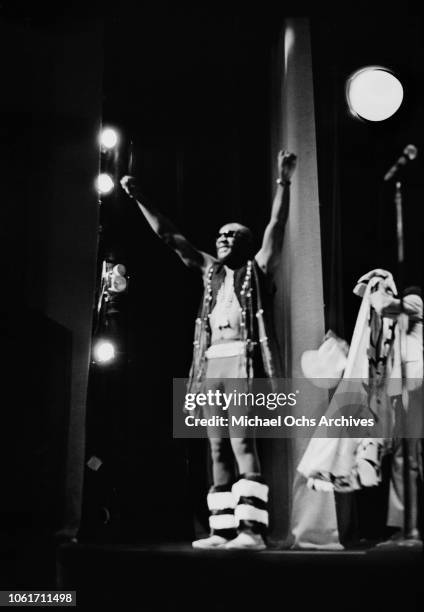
pixel 408 154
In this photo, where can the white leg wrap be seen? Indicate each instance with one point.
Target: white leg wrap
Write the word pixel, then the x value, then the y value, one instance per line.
pixel 221 500
pixel 250 488
pixel 222 521
pixel 246 512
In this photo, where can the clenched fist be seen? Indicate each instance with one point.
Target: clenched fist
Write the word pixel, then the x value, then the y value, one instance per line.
pixel 286 165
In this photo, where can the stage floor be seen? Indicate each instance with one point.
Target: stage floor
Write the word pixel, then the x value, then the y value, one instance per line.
pixel 173 576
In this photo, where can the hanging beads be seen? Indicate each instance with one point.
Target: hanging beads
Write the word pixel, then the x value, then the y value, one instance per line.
pixel 208 293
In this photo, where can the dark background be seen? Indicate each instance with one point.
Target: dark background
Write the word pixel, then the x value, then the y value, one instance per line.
pixel 192 91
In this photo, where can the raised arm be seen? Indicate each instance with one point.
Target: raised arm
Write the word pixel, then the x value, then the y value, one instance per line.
pixel 166 230
pixel 272 242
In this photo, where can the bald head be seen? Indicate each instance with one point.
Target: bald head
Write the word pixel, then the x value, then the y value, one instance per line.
pixel 234 244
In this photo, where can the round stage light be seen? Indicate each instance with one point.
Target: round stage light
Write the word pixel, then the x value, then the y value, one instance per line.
pixel 119 269
pixel 104 351
pixel 118 283
pixel 374 93
pixel 104 183
pixel 108 138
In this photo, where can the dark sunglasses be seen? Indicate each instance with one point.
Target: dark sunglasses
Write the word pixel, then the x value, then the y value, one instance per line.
pixel 229 234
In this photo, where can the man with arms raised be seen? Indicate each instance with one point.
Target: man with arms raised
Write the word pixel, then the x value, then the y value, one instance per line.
pixel 233 340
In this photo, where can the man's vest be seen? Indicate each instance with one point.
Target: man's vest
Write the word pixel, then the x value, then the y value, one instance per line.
pixel 257 332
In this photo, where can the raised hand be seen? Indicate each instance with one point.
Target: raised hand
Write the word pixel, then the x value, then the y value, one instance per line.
pixel 286 165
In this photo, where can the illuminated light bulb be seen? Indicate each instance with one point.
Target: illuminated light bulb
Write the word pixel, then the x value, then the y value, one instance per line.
pixel 374 93
pixel 104 351
pixel 104 183
pixel 108 138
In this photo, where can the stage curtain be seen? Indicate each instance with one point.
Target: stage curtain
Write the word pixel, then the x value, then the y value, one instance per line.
pixel 299 306
pixel 66 65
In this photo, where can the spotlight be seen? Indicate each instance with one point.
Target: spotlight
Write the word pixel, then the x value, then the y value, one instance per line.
pixel 119 269
pixel 118 283
pixel 104 351
pixel 108 138
pixel 374 93
pixel 104 183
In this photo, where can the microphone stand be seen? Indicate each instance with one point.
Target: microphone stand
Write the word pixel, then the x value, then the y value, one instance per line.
pixel 401 286
pixel 408 537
